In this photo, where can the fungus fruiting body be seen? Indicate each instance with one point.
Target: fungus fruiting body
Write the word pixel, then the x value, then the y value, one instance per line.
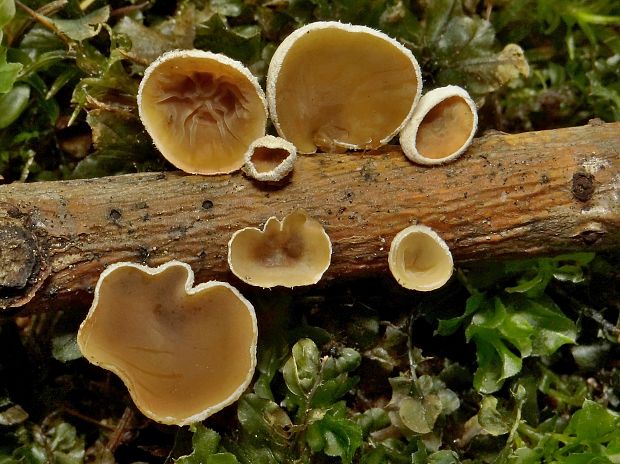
pixel 419 259
pixel 293 252
pixel 335 86
pixel 184 353
pixel 443 125
pixel 270 159
pixel 202 110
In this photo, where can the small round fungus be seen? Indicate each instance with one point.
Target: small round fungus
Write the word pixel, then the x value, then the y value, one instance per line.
pixel 202 110
pixel 184 353
pixel 335 87
pixel 442 126
pixel 292 252
pixel 270 159
pixel 419 259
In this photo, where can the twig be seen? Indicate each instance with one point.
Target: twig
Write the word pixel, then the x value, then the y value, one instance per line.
pixel 123 424
pixel 129 9
pixel 43 20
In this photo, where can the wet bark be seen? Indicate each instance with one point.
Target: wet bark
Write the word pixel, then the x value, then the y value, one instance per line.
pixel 509 196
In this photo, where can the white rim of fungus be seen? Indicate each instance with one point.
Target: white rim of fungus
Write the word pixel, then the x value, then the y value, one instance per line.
pixel 190 290
pixel 281 170
pixel 429 101
pixel 280 54
pixel 195 53
pixel 396 243
pixel 280 223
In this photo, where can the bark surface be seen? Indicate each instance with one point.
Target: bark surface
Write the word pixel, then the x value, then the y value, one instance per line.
pixel 508 196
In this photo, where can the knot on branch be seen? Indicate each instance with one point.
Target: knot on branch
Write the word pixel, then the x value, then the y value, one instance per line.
pixel 22 263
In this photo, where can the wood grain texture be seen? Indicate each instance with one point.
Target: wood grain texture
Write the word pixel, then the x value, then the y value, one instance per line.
pixel 509 195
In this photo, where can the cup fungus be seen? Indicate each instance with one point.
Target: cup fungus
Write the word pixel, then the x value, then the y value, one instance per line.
pixel 184 353
pixel 442 126
pixel 270 159
pixel 419 259
pixel 202 110
pixel 293 252
pixel 337 86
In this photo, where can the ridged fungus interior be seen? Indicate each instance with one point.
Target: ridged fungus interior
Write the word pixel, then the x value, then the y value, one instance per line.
pixel 292 253
pixel 338 87
pixel 421 262
pixel 266 159
pixel 202 114
pixel 178 353
pixel 445 128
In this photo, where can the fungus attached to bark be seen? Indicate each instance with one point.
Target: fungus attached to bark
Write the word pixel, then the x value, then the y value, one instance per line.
pixel 419 259
pixel 202 110
pixel 184 353
pixel 335 86
pixel 270 159
pixel 292 252
pixel 442 126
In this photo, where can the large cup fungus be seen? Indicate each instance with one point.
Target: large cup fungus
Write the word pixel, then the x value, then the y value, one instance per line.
pixel 419 259
pixel 202 110
pixel 335 86
pixel 184 353
pixel 270 159
pixel 442 126
pixel 292 252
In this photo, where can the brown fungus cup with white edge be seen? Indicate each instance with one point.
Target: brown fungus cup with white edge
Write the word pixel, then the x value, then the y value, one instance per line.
pixel 293 252
pixel 442 127
pixel 202 110
pixel 183 352
pixel 419 259
pixel 334 87
pixel 269 159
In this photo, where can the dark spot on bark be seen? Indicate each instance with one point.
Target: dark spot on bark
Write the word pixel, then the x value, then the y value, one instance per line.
pixel 583 186
pixel 141 205
pixel 368 172
pixel 207 204
pixel 544 179
pixel 114 215
pixel 143 254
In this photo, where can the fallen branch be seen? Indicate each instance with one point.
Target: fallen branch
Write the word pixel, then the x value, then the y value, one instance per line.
pixel 509 195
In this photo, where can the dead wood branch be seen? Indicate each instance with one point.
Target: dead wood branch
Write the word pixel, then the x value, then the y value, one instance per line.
pixel 509 195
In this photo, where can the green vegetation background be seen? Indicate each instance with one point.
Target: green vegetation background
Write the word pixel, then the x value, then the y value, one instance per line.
pixel 510 363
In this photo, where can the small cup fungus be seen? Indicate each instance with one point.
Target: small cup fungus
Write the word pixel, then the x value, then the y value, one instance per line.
pixel 294 252
pixel 202 110
pixel 442 126
pixel 337 87
pixel 419 259
pixel 270 159
pixel 184 353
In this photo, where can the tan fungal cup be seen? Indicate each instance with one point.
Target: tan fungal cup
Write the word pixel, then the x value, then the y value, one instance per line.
pixel 442 126
pixel 419 259
pixel 202 110
pixel 292 252
pixel 270 159
pixel 334 86
pixel 184 353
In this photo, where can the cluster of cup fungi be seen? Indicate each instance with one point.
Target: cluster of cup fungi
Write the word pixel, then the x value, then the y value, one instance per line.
pixel 186 352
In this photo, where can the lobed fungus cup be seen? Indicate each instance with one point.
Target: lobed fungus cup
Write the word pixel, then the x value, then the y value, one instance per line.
pixel 442 126
pixel 184 353
pixel 270 159
pixel 419 259
pixel 334 87
pixel 202 110
pixel 293 252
